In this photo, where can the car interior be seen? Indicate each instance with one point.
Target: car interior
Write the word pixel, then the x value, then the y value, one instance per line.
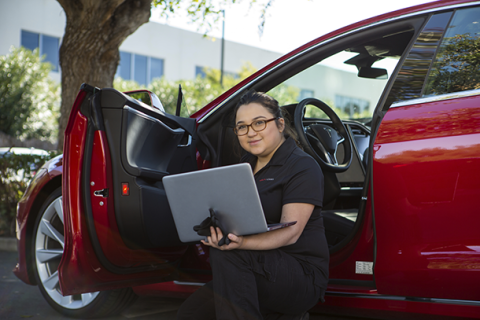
pixel 151 144
pixel 344 189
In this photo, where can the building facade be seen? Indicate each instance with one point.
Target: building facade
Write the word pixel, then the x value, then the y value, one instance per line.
pixel 158 50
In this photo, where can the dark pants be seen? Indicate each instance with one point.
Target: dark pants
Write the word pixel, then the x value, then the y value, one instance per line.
pixel 252 285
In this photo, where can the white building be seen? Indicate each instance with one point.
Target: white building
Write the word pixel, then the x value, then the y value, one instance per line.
pixel 153 50
pixel 156 50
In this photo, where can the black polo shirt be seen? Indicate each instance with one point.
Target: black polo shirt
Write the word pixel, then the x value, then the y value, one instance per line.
pixel 292 176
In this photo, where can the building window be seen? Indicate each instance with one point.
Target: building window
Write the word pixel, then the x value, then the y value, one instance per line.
pixel 30 40
pixel 352 107
pixel 156 68
pixel 200 72
pixel 140 68
pixel 304 94
pixel 47 45
pixel 125 67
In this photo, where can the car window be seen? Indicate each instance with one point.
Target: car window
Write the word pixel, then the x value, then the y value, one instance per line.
pixel 336 82
pixel 411 77
pixel 351 81
pixel 457 63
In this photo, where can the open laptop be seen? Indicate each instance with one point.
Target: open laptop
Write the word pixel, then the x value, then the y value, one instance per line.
pixel 230 191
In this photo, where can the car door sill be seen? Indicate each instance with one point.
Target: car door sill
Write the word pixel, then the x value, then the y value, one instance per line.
pixel 399 298
pixel 185 283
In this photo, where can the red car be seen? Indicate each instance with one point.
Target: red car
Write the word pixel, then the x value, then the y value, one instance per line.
pixel 402 175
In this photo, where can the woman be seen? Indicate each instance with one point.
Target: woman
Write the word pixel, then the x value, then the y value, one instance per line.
pixel 278 274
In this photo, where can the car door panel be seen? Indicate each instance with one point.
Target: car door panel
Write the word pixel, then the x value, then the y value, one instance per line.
pixel 139 163
pixel 426 222
pixel 425 166
pixel 119 228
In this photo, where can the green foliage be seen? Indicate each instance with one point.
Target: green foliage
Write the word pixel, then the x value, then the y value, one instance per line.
pixel 314 112
pixel 16 170
pixel 457 65
pixel 125 85
pixel 207 13
pixel 197 10
pixel 29 99
pixel 196 94
pixel 200 91
pixel 285 94
pixel 204 12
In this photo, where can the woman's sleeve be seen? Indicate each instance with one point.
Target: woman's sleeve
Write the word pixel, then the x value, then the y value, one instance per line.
pixel 305 184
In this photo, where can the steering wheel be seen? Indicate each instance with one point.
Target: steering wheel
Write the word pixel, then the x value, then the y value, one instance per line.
pixel 321 141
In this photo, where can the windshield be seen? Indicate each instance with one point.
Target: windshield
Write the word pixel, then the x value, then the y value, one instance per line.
pixel 337 81
pixel 350 81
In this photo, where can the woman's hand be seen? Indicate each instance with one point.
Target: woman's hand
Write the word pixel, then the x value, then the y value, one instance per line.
pixel 216 235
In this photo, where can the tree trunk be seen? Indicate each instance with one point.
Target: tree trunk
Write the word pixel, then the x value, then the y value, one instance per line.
pixel 89 53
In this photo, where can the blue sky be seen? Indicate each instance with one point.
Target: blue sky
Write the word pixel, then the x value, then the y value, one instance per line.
pixel 291 23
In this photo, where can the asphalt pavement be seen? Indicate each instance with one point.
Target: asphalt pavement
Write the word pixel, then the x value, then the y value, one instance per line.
pixel 21 301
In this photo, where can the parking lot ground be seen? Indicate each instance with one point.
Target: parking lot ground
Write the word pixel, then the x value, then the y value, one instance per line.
pixel 21 301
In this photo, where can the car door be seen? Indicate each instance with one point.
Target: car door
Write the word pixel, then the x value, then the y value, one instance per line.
pixel 425 168
pixel 118 225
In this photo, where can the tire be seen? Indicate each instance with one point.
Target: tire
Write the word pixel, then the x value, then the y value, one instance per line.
pixel 48 241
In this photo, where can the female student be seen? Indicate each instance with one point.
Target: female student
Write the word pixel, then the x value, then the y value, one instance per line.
pixel 278 274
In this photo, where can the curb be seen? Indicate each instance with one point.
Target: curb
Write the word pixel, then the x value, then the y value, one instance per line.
pixel 8 244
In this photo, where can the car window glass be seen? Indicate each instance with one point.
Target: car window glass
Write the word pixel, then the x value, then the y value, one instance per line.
pixel 411 77
pixel 457 64
pixel 350 81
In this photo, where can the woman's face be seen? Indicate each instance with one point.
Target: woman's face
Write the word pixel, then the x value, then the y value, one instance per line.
pixel 262 144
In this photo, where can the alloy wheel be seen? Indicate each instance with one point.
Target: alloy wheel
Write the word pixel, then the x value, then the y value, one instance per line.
pixel 49 245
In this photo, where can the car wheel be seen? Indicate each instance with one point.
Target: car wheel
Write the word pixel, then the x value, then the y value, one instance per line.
pixel 48 243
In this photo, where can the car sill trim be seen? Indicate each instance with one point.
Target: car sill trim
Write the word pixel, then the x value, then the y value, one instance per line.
pixel 400 298
pixel 186 283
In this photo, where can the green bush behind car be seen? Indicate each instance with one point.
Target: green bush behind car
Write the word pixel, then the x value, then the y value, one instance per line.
pixel 16 170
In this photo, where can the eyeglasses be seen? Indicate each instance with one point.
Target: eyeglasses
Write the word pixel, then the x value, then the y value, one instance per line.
pixel 257 126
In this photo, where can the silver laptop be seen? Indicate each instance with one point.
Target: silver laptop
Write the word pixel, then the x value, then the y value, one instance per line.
pixel 230 191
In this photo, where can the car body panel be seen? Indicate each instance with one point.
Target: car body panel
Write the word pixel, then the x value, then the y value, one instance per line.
pixel 427 229
pixel 45 180
pixel 24 207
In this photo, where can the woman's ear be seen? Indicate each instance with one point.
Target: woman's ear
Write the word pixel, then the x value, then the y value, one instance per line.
pixel 281 125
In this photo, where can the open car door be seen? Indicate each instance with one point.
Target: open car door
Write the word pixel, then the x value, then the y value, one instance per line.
pixel 119 231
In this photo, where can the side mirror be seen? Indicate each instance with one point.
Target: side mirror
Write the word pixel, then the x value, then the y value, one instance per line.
pixel 147 97
pixel 372 73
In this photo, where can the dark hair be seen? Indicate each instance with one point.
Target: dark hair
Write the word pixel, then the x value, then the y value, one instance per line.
pixel 271 105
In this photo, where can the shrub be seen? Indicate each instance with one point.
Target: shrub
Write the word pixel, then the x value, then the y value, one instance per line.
pixel 16 170
pixel 29 99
